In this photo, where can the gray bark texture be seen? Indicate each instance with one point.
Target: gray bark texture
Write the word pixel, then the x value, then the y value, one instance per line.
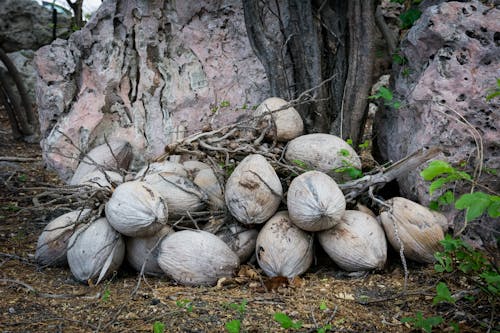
pixel 302 44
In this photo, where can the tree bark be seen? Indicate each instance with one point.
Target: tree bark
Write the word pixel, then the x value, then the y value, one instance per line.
pixel 318 36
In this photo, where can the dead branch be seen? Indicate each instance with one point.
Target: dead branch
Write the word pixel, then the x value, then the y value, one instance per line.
pixel 19 159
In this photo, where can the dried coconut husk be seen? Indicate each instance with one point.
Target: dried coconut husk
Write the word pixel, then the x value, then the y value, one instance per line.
pixel 208 182
pixel 136 209
pixel 323 152
pixel 240 239
pixel 288 123
pixel 161 167
pixel 102 179
pixel 52 242
pixel 95 251
pixel 115 154
pixel 193 167
pixel 253 191
pixel 417 226
pixel 195 257
pixel 142 251
pixel 282 249
pixel 315 202
pixel 357 243
pixel 180 193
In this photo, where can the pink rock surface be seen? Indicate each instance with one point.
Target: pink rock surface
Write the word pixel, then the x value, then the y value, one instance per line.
pixel 138 70
pixel 453 54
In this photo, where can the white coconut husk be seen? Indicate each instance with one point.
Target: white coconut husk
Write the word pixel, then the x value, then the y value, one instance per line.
pixel 161 167
pixel 95 251
pixel 115 155
pixel 196 258
pixel 357 243
pixel 193 167
pixel 142 251
pixel 323 152
pixel 208 182
pixel 240 239
pixel 282 249
pixel 136 209
pixel 53 241
pixel 102 179
pixel 417 226
pixel 253 191
pixel 180 194
pixel 315 202
pixel 288 123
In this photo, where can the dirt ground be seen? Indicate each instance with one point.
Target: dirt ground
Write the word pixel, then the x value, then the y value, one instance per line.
pixel 50 300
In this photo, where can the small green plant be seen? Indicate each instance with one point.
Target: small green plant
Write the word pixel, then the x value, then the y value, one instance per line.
pixel 458 255
pixel 443 294
pixel 476 204
pixel 286 322
pixel 349 169
pixel 425 324
pixel 22 178
pixel 494 92
pixel 409 17
pixel 12 207
pixel 185 304
pixel 224 104
pixel 234 326
pixel 301 164
pixel 365 145
pixel 106 294
pixel 158 327
pixel 398 59
pixel 387 96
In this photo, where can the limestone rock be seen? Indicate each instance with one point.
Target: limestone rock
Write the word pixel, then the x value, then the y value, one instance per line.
pixel 453 63
pixel 140 70
pixel 24 24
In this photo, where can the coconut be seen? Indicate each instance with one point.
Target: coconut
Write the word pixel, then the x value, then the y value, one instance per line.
pixel 161 167
pixel 282 249
pixel 194 257
pixel 193 166
pixel 418 229
pixel 142 251
pixel 253 191
pixel 288 122
pixel 208 182
pixel 52 242
pixel 180 194
pixel 102 179
pixel 136 209
pixel 114 154
pixel 315 201
pixel 357 243
pixel 323 152
pixel 95 251
pixel 240 239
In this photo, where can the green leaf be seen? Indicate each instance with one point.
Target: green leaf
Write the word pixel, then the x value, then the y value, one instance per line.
pixel 409 17
pixel 158 327
pixel 323 306
pixel 385 94
pixel 399 59
pixel 301 164
pixel 349 142
pixel 443 294
pixel 396 105
pixel 233 326
pixel 476 204
pixel 286 322
pixel 494 208
pixel 447 198
pixel 105 295
pixel 434 205
pixel 224 104
pixel 436 168
pixel 344 152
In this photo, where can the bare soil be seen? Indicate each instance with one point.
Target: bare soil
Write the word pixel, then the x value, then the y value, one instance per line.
pixel 50 300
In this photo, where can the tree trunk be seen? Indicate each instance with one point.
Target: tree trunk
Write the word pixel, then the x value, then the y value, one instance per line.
pixel 322 41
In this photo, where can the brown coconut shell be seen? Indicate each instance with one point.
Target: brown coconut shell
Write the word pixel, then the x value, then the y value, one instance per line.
pixel 95 251
pixel 253 191
pixel 323 152
pixel 288 122
pixel 240 239
pixel 117 154
pixel 282 249
pixel 52 243
pixel 195 257
pixel 315 201
pixel 418 228
pixel 180 193
pixel 136 209
pixel 357 243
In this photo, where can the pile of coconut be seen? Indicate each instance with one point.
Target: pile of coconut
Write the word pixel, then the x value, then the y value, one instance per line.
pixel 195 224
